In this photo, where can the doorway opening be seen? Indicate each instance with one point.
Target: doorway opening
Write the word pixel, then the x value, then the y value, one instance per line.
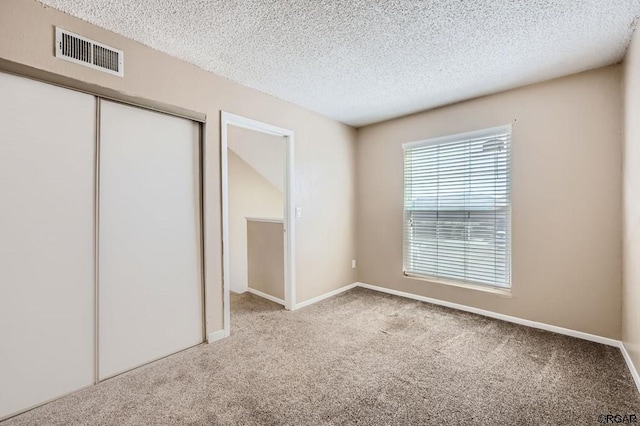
pixel 258 211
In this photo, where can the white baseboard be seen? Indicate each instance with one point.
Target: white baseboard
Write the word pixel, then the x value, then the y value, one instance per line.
pixel 216 335
pixel 324 296
pixel 632 367
pixel 516 320
pixel 265 296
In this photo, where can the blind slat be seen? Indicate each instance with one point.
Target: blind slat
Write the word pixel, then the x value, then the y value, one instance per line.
pixel 457 208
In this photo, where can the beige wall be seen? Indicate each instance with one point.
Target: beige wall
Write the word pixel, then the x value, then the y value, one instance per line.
pixel 566 200
pixel 265 255
pixel 325 242
pixel 250 195
pixel 631 203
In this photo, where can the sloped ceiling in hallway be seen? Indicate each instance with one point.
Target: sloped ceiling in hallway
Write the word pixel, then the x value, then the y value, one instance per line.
pixel 264 153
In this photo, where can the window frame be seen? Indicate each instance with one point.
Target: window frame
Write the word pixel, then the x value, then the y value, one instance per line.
pixel 461 137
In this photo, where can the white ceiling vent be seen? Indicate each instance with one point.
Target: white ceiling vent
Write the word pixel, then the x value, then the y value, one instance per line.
pixel 81 50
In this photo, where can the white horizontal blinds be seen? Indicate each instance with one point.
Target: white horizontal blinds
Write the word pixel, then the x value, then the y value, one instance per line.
pixel 457 214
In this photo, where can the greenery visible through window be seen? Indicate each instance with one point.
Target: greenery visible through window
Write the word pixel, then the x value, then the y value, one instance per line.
pixel 457 208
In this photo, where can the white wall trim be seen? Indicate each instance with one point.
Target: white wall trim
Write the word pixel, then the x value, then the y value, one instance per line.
pixel 264 219
pixel 630 365
pixel 216 335
pixel 325 296
pixel 508 318
pixel 227 119
pixel 265 296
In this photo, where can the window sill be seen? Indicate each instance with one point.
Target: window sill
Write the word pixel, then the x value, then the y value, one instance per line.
pixel 506 292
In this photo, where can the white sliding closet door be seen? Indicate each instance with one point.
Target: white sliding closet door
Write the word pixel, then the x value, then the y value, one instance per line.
pixel 150 283
pixel 47 237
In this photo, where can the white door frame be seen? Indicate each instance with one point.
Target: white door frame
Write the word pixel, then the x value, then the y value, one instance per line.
pixel 226 120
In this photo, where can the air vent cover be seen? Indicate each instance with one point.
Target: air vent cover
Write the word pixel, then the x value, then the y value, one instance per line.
pixel 81 50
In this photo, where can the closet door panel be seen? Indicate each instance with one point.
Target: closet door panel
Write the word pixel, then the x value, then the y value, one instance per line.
pixel 150 283
pixel 47 242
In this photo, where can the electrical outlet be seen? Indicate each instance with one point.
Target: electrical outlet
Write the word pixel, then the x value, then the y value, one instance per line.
pixel 353 264
pixel 298 212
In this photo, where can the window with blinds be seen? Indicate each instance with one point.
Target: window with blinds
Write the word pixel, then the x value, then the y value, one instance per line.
pixel 457 208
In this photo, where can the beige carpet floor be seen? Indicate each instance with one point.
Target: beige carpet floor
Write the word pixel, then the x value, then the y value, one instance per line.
pixel 362 358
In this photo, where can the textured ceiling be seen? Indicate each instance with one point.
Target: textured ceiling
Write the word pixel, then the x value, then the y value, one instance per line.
pixel 362 61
